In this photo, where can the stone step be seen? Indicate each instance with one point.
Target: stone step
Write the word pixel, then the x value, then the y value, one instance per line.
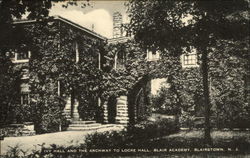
pixel 122 109
pixel 121 118
pixel 122 106
pixel 122 121
pixel 122 115
pixel 85 125
pixel 122 112
pixel 89 128
pixel 83 122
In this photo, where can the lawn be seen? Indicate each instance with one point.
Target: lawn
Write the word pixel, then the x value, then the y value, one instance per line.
pixel 194 139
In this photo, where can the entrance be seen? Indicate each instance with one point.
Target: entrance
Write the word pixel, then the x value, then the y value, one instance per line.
pixel 112 109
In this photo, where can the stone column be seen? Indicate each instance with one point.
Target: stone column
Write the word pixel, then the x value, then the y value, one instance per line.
pixel 105 112
pixel 122 110
pixel 75 116
pixel 67 109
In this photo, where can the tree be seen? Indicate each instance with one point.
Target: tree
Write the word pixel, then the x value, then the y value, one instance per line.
pixel 170 26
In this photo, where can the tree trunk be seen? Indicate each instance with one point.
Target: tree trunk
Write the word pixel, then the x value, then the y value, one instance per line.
pixel 204 68
pixel 178 101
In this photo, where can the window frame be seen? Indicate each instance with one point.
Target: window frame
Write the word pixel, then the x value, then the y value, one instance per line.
pixel 27 102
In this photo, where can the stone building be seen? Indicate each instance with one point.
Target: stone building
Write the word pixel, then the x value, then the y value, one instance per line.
pixel 22 53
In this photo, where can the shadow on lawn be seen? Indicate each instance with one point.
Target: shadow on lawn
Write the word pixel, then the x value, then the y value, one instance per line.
pixel 235 140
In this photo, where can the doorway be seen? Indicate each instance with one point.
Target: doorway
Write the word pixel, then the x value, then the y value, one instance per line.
pixel 112 101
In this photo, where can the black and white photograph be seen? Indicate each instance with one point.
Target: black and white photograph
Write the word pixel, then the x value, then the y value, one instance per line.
pixel 127 79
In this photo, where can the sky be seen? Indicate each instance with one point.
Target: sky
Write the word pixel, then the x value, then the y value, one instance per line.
pixel 97 16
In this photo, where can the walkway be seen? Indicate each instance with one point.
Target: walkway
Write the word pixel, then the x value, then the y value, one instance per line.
pixel 65 138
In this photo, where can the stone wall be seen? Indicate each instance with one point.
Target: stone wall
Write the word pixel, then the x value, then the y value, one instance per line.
pixel 122 110
pixel 105 106
pixel 67 109
pixel 15 130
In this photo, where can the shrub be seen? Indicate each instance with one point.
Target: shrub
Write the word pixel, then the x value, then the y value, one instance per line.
pixel 154 129
pixel 133 136
pixel 23 113
pixel 109 139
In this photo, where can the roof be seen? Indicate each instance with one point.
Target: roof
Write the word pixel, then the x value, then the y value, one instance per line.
pixel 68 22
pixel 119 39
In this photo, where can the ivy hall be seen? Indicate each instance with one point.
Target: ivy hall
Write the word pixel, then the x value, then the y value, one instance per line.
pixel 59 62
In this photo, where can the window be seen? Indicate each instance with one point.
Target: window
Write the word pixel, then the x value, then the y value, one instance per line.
pixel 190 59
pixel 247 87
pixel 19 55
pixel 120 60
pixel 99 60
pixel 22 55
pixel 24 98
pixel 58 88
pixel 153 55
pixel 25 73
pixel 77 52
pixel 11 54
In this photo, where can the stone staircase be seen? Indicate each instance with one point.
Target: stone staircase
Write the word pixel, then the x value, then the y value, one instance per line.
pixel 87 126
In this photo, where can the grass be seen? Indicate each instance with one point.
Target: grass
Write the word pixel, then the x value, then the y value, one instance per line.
pixel 194 139
pixel 214 134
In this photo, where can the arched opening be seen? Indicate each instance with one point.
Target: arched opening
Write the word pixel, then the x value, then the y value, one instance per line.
pixel 138 101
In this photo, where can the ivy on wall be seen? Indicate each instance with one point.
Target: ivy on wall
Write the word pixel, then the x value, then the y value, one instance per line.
pixel 54 60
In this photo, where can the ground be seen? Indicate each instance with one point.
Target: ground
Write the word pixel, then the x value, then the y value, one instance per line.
pixel 75 138
pixel 65 138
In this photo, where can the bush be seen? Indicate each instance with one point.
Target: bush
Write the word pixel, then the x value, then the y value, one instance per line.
pixel 23 113
pixel 133 136
pixel 153 129
pixel 105 140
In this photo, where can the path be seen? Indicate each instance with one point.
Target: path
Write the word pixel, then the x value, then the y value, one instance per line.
pixel 65 138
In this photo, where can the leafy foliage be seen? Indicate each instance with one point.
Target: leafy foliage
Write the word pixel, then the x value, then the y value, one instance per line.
pixel 228 92
pixel 9 87
pixel 170 26
pixel 228 89
pixel 135 137
pixel 11 38
pixel 54 60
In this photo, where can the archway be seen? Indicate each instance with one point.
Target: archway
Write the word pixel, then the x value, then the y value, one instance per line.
pixel 139 101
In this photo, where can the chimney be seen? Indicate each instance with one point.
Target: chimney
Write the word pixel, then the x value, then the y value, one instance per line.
pixel 117 23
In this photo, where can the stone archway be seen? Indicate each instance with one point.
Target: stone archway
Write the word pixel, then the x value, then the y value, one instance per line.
pixel 138 100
